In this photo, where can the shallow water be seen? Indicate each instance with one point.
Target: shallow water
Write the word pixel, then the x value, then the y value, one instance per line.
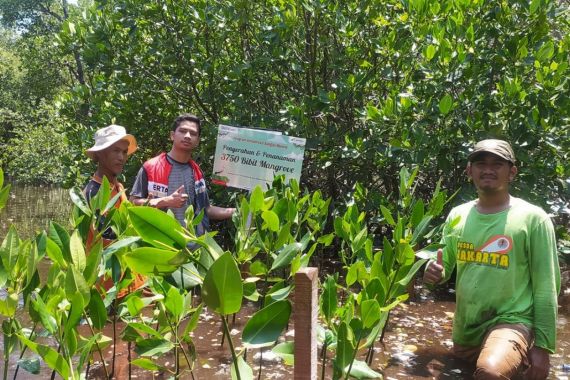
pixel 30 208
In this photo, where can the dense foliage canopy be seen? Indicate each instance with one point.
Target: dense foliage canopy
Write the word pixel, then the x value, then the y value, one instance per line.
pixel 372 85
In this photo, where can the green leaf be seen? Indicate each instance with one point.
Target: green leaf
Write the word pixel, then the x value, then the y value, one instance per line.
pixel 329 298
pixel 10 328
pixel 148 364
pixel 245 371
pixel 99 201
pixel 369 313
pixel 112 202
pixel 32 262
pixel 4 194
pixel 359 240
pixel 174 303
pixel 97 310
pixel 271 220
pixel 193 321
pixel 356 272
pixel 93 263
pixel 144 329
pixel 420 230
pixel 70 340
pixel 401 298
pixel 48 321
pixel 376 291
pixel 277 293
pixel 534 6
pixel 256 200
pixel 77 251
pixel 120 244
pixel 222 290
pixel 53 251
pixel 78 199
pixel 50 356
pixel 284 235
pixel 345 347
pixel 360 370
pixel 470 33
pixel 286 255
pixel 9 250
pixel 212 248
pixel 3 275
pixel 266 325
pixel 429 252
pixel 61 237
pixel 158 228
pixel 339 228
pixel 288 252
pixel 545 52
pixel 286 351
pixel 417 265
pixel 445 104
pixel 387 215
pixel 75 283
pixel 430 52
pixel 417 212
pixel 134 305
pixel 148 260
pixel 258 268
pixel 186 276
pixel 373 113
pixel 86 347
pixel 153 347
pixel 389 256
pixel 371 338
pixel 76 310
pixel 250 291
pixel 9 305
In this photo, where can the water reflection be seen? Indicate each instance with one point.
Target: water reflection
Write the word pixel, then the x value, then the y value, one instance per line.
pixel 30 208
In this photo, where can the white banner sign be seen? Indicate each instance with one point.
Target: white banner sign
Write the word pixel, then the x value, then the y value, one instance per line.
pixel 248 157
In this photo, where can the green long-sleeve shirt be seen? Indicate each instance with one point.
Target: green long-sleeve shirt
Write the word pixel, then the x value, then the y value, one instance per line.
pixel 507 271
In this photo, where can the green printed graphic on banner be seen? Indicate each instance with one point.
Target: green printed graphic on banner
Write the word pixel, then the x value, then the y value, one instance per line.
pixel 248 157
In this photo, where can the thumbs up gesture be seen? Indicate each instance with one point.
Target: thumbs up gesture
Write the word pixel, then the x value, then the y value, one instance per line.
pixel 434 270
pixel 178 198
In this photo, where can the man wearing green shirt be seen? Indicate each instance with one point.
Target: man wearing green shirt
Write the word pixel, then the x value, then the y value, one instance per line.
pixel 508 277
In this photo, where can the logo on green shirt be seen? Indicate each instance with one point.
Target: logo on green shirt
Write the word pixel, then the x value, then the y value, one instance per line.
pixel 494 253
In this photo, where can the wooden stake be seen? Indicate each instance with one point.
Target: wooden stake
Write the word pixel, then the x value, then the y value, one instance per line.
pixel 306 311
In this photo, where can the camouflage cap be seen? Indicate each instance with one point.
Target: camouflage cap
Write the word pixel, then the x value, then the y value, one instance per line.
pixel 500 148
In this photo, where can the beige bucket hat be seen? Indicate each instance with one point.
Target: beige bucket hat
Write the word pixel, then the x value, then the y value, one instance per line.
pixel 105 137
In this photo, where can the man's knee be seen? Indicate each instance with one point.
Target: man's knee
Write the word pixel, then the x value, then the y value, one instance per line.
pixel 489 370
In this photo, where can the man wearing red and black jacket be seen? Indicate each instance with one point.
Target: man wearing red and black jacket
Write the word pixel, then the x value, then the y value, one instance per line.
pixel 173 181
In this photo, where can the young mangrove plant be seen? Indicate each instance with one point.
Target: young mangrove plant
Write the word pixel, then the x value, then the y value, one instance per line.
pixel 277 233
pixel 162 331
pixel 375 281
pixel 61 303
pixel 18 277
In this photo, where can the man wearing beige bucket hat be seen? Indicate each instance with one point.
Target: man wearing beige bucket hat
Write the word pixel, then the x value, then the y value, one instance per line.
pixel 111 149
pixel 508 277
